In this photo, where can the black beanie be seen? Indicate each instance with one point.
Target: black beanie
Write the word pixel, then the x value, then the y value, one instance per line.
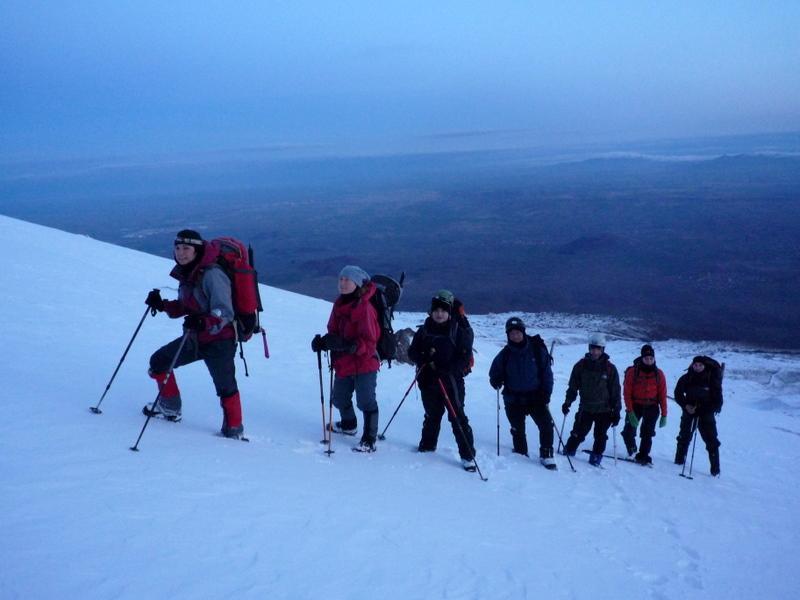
pixel 647 350
pixel 189 237
pixel 515 323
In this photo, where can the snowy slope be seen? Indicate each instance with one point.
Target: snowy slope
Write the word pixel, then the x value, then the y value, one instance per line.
pixel 196 516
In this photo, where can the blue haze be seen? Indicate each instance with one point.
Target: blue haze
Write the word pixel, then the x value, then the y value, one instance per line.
pixel 92 79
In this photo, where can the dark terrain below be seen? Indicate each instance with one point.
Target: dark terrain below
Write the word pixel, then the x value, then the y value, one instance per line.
pixel 694 249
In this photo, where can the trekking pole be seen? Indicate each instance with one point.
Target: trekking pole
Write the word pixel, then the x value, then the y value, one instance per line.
pixel 151 412
pixel 460 428
pixel 498 422
pixel 324 439
pixel 330 450
pixel 614 432
pixel 382 436
pixel 560 433
pixel 694 443
pixel 96 409
pixel 560 442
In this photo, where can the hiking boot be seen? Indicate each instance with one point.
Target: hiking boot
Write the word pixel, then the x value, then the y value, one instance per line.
pixel 365 446
pixel 160 410
pixel 548 463
pixel 595 459
pixel 345 427
pixel 631 450
pixel 680 456
pixel 643 459
pixel 570 447
pixel 234 433
pixel 546 458
pixel 423 448
pixel 713 458
pixel 468 464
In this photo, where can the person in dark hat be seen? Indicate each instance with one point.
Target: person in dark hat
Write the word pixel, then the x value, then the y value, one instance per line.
pixel 596 379
pixel 352 338
pixel 205 302
pixel 645 394
pixel 442 351
pixel 699 394
pixel 522 368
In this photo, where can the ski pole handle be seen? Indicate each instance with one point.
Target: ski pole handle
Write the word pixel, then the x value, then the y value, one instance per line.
pixel 266 347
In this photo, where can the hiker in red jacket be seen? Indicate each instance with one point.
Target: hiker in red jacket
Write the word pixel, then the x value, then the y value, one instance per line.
pixel 353 333
pixel 645 393
pixel 205 302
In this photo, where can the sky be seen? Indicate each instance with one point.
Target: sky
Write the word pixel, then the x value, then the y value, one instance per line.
pixel 95 78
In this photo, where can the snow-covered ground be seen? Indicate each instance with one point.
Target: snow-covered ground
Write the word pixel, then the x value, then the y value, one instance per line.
pixel 193 515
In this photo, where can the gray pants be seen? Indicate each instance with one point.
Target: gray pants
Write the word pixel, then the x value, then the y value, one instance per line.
pixel 364 387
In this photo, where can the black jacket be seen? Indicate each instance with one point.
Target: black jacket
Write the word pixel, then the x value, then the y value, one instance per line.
pixel 441 350
pixel 702 390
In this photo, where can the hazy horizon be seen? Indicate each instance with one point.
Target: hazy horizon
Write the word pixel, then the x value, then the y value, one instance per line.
pixel 93 79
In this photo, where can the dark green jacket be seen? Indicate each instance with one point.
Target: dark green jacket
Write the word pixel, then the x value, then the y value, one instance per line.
pixel 597 381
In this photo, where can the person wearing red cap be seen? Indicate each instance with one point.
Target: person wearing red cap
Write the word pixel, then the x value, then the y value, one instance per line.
pixel 205 302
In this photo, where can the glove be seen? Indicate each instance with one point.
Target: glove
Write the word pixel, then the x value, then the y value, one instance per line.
pixel 155 301
pixel 318 344
pixel 690 408
pixel 565 408
pixel 194 323
pixel 662 422
pixel 631 416
pixel 615 418
pixel 336 343
pixel 495 384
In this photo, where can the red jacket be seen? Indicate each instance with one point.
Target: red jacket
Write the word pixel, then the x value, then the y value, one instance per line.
pixel 645 387
pixel 356 321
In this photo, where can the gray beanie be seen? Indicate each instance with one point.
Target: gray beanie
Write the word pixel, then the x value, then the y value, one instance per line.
pixel 355 274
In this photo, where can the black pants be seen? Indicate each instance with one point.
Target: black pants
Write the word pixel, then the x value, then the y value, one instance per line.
pixel 435 407
pixel 647 415
pixel 706 425
pixel 520 406
pixel 583 424
pixel 217 355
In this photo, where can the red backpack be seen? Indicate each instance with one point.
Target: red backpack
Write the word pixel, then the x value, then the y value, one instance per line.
pixel 237 262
